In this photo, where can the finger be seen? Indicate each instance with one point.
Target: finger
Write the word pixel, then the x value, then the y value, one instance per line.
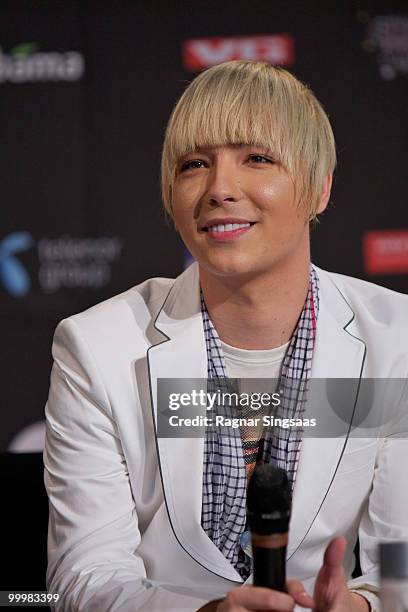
pixel 297 591
pixel 334 554
pixel 258 598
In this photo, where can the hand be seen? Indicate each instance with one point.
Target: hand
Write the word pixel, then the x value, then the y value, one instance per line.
pixel 331 593
pixel 247 598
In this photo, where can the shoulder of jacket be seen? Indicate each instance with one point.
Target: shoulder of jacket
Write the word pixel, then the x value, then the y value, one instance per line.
pixel 365 288
pixel 383 304
pixel 138 302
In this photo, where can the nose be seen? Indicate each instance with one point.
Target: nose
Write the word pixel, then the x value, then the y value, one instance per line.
pixel 223 183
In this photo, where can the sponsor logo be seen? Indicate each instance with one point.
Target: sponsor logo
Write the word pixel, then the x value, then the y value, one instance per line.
pixel 386 252
pixel 387 36
pixel 83 263
pixel 13 275
pixel 25 64
pixel 200 53
pixel 65 262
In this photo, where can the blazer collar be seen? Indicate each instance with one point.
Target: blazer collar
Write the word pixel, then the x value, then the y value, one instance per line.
pixel 182 354
pixel 338 353
pixel 337 335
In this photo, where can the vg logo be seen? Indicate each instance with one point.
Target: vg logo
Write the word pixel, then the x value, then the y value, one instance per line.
pixel 13 275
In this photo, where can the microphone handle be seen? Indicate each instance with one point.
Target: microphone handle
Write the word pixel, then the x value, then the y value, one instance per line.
pixel 269 557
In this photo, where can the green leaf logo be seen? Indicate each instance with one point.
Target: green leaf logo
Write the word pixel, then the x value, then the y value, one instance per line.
pixel 24 49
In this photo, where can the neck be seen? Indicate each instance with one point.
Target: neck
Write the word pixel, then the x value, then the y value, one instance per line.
pixel 256 313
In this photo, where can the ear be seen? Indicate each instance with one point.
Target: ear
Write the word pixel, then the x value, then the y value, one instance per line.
pixel 325 196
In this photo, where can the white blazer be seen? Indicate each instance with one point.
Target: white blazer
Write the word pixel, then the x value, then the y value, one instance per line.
pixel 125 506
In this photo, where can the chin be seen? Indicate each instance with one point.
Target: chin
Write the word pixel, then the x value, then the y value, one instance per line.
pixel 230 269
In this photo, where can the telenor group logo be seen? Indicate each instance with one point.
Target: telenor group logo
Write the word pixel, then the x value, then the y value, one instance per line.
pixel 77 263
pixel 65 262
pixel 13 275
pixel 200 53
pixel 24 63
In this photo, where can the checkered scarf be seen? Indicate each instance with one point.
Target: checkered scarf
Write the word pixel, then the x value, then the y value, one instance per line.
pixel 223 515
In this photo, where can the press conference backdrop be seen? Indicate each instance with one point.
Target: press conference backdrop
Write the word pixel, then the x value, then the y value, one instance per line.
pixel 85 92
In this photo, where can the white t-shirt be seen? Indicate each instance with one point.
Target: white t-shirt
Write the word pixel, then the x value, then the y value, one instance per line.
pixel 258 372
pixel 249 363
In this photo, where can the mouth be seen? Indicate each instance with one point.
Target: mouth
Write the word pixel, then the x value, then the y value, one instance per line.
pixel 227 229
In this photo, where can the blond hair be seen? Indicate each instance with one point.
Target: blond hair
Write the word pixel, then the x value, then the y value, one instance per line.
pixel 253 103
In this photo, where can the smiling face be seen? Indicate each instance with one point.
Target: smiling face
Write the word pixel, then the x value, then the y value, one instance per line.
pixel 252 102
pixel 236 211
pixel 260 195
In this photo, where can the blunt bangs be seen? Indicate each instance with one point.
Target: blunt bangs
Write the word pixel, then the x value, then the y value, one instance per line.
pixel 253 103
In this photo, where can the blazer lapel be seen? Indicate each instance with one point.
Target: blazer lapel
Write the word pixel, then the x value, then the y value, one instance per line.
pixel 338 353
pixel 182 354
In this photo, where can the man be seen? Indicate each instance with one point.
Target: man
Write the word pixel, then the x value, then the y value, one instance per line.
pixel 139 522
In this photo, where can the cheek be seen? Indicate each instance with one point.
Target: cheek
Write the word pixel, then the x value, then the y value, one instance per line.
pixel 268 192
pixel 185 209
pixel 275 196
pixel 182 214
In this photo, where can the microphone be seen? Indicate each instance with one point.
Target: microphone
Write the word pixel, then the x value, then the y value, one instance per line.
pixel 268 510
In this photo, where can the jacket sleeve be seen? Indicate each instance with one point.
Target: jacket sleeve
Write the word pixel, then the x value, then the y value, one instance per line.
pixel 386 517
pixel 93 564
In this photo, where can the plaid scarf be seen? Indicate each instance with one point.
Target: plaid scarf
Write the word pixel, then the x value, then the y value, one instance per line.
pixel 223 515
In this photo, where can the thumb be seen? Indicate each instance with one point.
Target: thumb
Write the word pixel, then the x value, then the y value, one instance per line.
pixel 333 557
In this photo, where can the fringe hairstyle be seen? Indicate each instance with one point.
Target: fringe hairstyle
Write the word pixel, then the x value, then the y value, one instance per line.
pixel 244 102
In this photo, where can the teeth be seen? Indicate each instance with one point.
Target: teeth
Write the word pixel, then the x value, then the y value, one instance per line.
pixel 228 227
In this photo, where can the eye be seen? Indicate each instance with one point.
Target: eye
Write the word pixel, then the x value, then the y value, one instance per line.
pixel 192 164
pixel 257 158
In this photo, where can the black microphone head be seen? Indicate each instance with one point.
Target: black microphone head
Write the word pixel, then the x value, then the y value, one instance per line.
pixel 268 500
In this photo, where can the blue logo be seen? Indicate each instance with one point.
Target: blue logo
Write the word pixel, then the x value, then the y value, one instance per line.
pixel 13 275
